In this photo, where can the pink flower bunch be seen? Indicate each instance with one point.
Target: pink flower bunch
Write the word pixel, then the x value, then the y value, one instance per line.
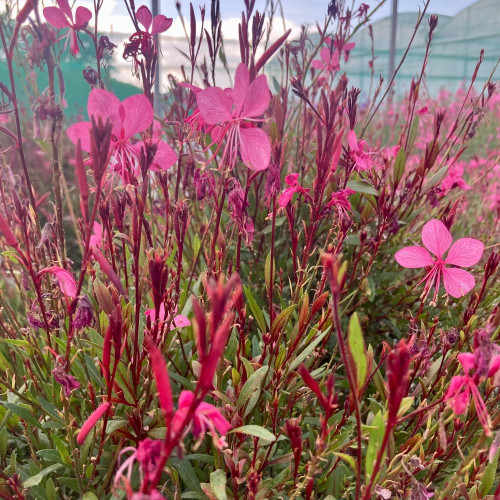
pixel 330 56
pixel 61 17
pixel 463 386
pixel 179 320
pixel 233 114
pixel 340 200
pixel 128 118
pixel 436 238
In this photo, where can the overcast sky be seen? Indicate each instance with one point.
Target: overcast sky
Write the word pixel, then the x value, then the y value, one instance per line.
pixel 114 16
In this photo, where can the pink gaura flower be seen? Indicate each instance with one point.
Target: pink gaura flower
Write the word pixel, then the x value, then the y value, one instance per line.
pixel 62 17
pixel 436 238
pixel 128 118
pixel 235 111
pixel 358 153
pixel 179 320
pixel 340 200
pixel 206 418
pixel 454 179
pixel 158 24
pixel 329 61
pixel 460 390
pixel 293 187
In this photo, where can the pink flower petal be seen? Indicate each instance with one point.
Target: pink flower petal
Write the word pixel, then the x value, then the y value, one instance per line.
pixel 414 257
pixel 74 48
pixel 104 104
pixel 352 140
pixel 144 16
pixel 165 157
pixel 181 321
pixel 317 64
pixel 241 82
pixel 458 394
pixel 55 17
pixel 161 24
pixel 325 55
pixel 162 379
pixel 467 361
pixel 465 252
pixel 64 6
pixel 215 105
pixel 185 399
pixel 257 98
pixel 138 114
pixel 255 148
pixel 457 282
pixel 82 17
pixel 80 130
pixel 65 279
pixel 436 237
pixel 286 196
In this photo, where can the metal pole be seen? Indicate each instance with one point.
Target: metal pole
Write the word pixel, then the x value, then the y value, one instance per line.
pixel 392 47
pixel 157 101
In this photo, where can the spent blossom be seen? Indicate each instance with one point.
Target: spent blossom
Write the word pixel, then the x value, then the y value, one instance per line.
pixel 293 187
pixel 436 238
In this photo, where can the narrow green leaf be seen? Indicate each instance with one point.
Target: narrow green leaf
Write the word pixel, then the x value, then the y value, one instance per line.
pixel 256 431
pixel 267 271
pixel 356 345
pixel 488 477
pixel 251 385
pixel 362 187
pixel 307 351
pixel 37 479
pixel 255 310
pixel 413 134
pixel 348 459
pixel 399 166
pixel 376 435
pixel 23 413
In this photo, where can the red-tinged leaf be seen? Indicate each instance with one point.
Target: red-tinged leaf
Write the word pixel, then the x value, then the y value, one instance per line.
pixel 91 421
pixel 312 384
pixel 337 150
pixel 160 373
pixel 8 234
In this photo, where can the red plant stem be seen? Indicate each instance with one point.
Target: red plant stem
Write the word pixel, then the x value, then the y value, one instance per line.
pixel 352 386
pixel 9 56
pixel 271 269
pixel 218 217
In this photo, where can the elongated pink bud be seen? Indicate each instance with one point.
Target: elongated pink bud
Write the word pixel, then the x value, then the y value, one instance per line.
pixel 81 176
pixel 313 385
pixel 337 150
pixel 108 270
pixel 91 421
pixel 160 372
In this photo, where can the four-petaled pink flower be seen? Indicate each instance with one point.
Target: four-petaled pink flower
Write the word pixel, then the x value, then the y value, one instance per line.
pixel 460 390
pixel 294 187
pixel 62 17
pixel 128 118
pixel 329 61
pixel 235 110
pixel 158 24
pixel 454 179
pixel 206 418
pixel 358 153
pixel 436 238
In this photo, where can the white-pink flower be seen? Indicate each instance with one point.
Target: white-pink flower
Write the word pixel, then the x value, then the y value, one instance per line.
pixel 436 238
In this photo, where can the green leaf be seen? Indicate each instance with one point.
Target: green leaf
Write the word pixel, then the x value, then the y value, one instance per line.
pixel 37 479
pixel 89 495
pixel 436 178
pixel 23 413
pixel 62 449
pixel 251 385
pixel 348 459
pixel 16 342
pixel 218 484
pixel 399 166
pixel 255 310
pixel 308 350
pixel 50 490
pixel 256 431
pixel 362 187
pixel 376 435
pixel 281 320
pixel 267 271
pixel 488 477
pixel 413 134
pixel 357 348
pixel 187 473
